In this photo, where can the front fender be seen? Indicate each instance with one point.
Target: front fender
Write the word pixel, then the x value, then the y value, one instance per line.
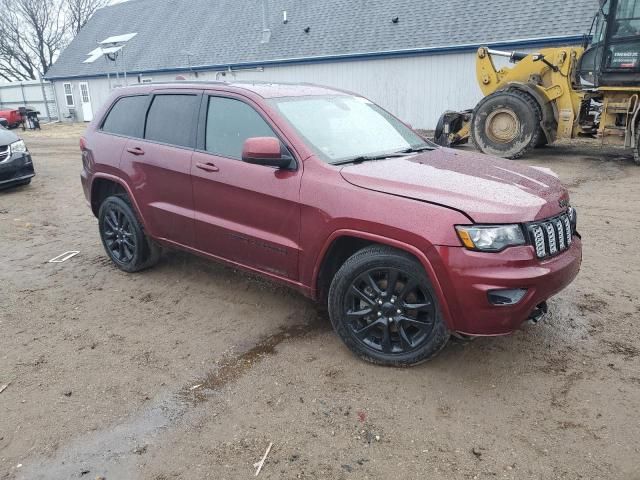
pixel 420 255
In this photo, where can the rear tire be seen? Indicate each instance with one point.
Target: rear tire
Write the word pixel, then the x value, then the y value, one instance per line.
pixel 506 124
pixel 383 307
pixel 123 236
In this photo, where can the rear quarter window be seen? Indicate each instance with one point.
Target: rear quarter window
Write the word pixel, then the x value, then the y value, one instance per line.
pixel 126 117
pixel 171 119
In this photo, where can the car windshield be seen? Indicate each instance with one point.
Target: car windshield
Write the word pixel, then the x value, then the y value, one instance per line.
pixel 341 128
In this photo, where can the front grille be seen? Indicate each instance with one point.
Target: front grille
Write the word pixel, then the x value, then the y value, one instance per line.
pixel 554 235
pixel 4 152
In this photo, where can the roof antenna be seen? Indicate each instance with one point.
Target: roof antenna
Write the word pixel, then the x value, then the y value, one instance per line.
pixel 266 31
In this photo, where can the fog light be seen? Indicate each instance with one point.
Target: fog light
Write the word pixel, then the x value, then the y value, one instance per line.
pixel 506 297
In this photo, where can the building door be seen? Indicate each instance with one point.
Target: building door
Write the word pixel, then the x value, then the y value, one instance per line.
pixel 85 100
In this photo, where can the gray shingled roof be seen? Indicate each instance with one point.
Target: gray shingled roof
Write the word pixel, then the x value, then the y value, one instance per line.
pixel 228 32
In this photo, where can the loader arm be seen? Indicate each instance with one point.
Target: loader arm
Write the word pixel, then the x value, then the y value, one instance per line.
pixel 546 76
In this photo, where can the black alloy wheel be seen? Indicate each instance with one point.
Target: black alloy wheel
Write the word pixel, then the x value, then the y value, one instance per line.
pixel 383 307
pixel 118 234
pixel 123 236
pixel 389 311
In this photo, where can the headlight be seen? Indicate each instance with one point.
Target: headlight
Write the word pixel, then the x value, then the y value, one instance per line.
pixel 17 147
pixel 488 238
pixel 573 218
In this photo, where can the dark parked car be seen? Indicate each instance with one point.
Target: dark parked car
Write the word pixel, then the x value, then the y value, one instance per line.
pixel 16 166
pixel 406 242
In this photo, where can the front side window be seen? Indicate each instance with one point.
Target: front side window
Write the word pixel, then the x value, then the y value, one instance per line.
pixel 126 117
pixel 229 123
pixel 170 120
pixel 627 22
pixel 68 94
pixel 343 127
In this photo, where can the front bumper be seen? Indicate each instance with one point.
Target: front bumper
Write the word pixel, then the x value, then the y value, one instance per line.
pixel 466 277
pixel 16 169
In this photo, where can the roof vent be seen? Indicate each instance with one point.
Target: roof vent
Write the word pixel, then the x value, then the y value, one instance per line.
pixel 307 29
pixel 285 19
pixel 266 31
pixel 395 19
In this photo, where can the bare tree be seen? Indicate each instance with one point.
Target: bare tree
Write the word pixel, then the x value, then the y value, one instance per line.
pixel 80 11
pixel 17 60
pixel 33 32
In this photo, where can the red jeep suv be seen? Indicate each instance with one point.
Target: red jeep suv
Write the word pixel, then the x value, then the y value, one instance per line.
pixel 406 242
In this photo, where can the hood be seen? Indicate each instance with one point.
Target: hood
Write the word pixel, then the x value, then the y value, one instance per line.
pixel 487 189
pixel 7 137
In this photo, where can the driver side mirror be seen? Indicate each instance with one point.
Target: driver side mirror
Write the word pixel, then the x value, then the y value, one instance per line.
pixel 265 151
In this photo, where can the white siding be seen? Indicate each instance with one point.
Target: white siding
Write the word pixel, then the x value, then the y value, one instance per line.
pixel 35 94
pixel 416 89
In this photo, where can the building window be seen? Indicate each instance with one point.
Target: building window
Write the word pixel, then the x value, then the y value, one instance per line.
pixel 68 95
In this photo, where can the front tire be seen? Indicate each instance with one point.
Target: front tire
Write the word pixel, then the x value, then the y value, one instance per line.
pixel 506 124
pixel 123 236
pixel 383 307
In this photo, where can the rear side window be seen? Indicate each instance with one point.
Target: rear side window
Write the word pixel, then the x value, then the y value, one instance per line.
pixel 170 120
pixel 127 117
pixel 229 123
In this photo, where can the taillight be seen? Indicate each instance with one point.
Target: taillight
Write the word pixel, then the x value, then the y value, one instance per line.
pixel 87 158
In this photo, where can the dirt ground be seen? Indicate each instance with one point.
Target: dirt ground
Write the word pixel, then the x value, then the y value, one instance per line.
pixel 191 370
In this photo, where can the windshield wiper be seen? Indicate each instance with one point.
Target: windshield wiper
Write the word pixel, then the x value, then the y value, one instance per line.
pixel 425 148
pixel 369 158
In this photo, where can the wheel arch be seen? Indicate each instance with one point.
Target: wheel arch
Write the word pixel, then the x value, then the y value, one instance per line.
pixel 343 243
pixel 104 185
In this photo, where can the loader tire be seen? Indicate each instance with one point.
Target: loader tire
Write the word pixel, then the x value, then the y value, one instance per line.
pixel 506 124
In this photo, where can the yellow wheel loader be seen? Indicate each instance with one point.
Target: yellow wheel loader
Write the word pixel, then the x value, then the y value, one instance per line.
pixel 591 90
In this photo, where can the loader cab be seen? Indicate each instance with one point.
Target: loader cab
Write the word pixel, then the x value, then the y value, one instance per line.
pixel 613 58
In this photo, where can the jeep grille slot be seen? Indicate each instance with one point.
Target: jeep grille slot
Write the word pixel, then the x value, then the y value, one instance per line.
pixel 552 236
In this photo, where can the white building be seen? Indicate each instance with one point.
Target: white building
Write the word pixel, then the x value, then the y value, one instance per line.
pixel 416 58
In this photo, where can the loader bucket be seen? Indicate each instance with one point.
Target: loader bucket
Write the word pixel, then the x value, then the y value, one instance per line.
pixel 453 128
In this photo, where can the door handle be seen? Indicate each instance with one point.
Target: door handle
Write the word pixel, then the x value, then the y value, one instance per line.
pixel 207 167
pixel 135 151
